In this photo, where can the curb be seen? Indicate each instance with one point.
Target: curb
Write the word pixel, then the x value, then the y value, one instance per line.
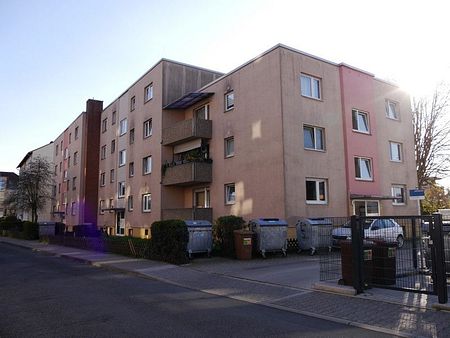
pixel 440 307
pixel 339 289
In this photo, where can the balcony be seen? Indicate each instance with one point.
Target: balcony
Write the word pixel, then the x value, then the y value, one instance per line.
pixel 187 173
pixel 187 130
pixel 188 213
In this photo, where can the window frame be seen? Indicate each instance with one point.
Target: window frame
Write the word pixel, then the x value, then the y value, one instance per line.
pixel 121 189
pixel 75 158
pixel 399 149
pixel 123 126
pixel 147 128
pixel 358 112
pixel 145 162
pixel 230 201
pixel 130 203
pixel 146 92
pixel 113 117
pixel 228 106
pixel 101 208
pixel 133 103
pixel 103 152
pixel 112 176
pixel 370 161
pixel 146 199
pixel 403 194
pixel 102 179
pixel 122 157
pixel 311 80
pixel 74 183
pixel 104 125
pixel 76 133
pixel 396 116
pixel 131 169
pixel 317 182
pixel 113 146
pixel 315 130
pixel 226 143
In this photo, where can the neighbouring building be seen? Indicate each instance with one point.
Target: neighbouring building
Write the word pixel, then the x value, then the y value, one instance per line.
pixel 286 135
pixel 76 168
pixel 8 183
pixel 46 153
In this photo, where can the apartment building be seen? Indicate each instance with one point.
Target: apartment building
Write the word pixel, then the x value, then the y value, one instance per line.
pixel 76 152
pixel 8 183
pixel 46 153
pixel 286 135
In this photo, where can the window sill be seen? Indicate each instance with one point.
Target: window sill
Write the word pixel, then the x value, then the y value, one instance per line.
pixel 362 132
pixel 229 156
pixel 316 150
pixel 227 110
pixel 146 211
pixel 316 203
pixel 312 98
pixel 364 179
pixel 395 161
pixel 399 204
pixel 230 203
pixel 393 119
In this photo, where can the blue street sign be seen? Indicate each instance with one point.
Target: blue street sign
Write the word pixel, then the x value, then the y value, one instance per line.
pixel 417 194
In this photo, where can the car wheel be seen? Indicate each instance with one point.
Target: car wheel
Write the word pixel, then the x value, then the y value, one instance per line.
pixel 400 241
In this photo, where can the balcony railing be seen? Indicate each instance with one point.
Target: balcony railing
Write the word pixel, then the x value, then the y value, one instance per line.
pixel 187 173
pixel 187 130
pixel 188 213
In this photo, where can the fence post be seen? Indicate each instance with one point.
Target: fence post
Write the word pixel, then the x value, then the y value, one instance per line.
pixel 438 256
pixel 414 242
pixel 357 255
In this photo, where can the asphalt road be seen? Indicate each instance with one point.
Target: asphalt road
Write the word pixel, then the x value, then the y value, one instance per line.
pixel 46 296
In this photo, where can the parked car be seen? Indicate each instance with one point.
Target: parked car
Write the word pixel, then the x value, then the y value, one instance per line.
pixel 384 229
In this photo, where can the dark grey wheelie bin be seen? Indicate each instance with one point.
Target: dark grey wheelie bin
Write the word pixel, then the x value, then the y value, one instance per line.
pixel 271 234
pixel 314 233
pixel 200 236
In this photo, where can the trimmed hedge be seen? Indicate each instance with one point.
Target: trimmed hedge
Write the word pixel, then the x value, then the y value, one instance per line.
pixel 169 241
pixel 223 233
pixel 30 230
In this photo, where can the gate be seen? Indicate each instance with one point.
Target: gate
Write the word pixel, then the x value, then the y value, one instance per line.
pixel 403 252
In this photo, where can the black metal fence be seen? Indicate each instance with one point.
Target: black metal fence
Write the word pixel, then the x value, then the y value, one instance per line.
pixel 405 252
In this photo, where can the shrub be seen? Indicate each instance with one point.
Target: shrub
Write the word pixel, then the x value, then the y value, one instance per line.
pixel 128 246
pixel 169 241
pixel 10 223
pixel 223 233
pixel 30 230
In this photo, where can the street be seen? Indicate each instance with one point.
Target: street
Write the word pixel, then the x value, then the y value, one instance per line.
pixel 47 296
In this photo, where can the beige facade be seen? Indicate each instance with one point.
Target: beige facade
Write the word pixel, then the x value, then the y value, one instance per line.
pixel 8 184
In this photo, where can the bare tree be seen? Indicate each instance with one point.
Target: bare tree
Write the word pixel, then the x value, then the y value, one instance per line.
pixel 431 136
pixel 34 186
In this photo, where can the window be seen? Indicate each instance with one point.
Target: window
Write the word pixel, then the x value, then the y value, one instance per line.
pixel 103 152
pixel 133 103
pixel 59 188
pixel 360 121
pixel 113 117
pixel 392 110
pixel 131 136
pixel 56 169
pixel 230 193
pixel 121 190
pixel 111 205
pixel 363 169
pixel 113 146
pixel 148 92
pixel 102 179
pixel 395 150
pixel 148 128
pixel 111 176
pixel 314 138
pixel 104 125
pixel 75 158
pixel 310 86
pixel 74 183
pixel 65 175
pixel 202 113
pixel 229 101
pixel 101 207
pixel 316 191
pixel 67 185
pixel 131 169
pixel 130 203
pixel 70 138
pixel 60 166
pixel 68 162
pixel 57 150
pixel 229 146
pixel 66 153
pixel 122 157
pixel 147 202
pixel 73 208
pixel 76 133
pixel 147 165
pixel 366 208
pixel 123 127
pixel 398 194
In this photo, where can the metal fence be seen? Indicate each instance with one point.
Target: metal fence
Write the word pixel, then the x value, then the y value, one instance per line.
pixel 406 252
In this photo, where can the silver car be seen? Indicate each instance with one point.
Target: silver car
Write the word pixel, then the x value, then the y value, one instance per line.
pixel 386 230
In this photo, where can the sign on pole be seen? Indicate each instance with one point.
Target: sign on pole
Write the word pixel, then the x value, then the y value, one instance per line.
pixel 417 194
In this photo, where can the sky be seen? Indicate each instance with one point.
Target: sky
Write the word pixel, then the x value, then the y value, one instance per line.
pixel 54 55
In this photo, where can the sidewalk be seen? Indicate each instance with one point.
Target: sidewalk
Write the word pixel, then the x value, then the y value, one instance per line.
pixel 394 312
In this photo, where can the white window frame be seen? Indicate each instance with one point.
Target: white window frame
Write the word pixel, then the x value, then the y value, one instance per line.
pixel 122 157
pixel 147 202
pixel 229 96
pixel 73 207
pixel 104 125
pixel 229 152
pixel 392 114
pixel 121 189
pixel 103 152
pixel 399 147
pixel 75 158
pixel 101 207
pixel 363 160
pixel 113 117
pixel 102 179
pixel 365 117
pixel 112 176
pixel 123 124
pixel 130 203
pixel 148 93
pixel 147 165
pixel 133 103
pixel 394 189
pixel 318 182
pixel 230 197
pixel 148 128
pixel 131 169
pixel 76 133
pixel 205 107
pixel 315 137
pixel 307 89
pixel 365 207
pixel 111 205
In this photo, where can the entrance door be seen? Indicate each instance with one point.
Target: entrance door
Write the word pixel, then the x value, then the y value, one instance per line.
pixel 366 208
pixel 201 198
pixel 120 223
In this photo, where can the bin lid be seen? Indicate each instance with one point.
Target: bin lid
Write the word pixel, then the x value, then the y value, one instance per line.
pixel 315 221
pixel 198 223
pixel 269 222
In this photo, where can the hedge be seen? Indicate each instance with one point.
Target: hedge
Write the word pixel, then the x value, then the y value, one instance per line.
pixel 169 241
